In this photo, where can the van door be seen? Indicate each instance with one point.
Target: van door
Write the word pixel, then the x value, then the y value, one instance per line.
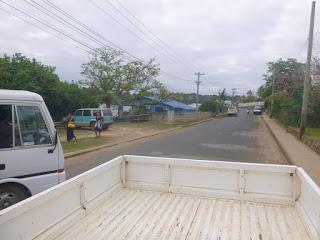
pixel 77 117
pixel 87 117
pixel 107 116
pixel 25 149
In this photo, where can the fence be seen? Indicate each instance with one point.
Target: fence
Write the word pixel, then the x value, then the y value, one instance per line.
pixel 134 118
pixel 171 116
pixel 188 117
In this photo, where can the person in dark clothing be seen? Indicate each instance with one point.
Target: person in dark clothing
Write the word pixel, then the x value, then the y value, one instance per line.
pixel 70 128
pixel 99 124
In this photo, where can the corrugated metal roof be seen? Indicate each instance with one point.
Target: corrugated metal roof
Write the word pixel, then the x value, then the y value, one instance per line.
pixel 172 103
pixel 176 104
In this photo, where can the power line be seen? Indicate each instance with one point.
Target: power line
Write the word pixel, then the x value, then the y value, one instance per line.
pixel 176 77
pixel 47 25
pixel 142 31
pixel 88 28
pixel 148 30
pixel 114 19
pixel 69 25
pixel 77 29
pixel 34 25
pixel 122 25
pixel 62 21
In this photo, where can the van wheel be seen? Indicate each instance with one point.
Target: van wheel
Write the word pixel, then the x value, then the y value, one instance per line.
pixel 92 125
pixel 11 194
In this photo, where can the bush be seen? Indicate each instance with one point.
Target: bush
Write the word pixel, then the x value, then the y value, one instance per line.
pixel 209 106
pixel 21 73
pixel 287 110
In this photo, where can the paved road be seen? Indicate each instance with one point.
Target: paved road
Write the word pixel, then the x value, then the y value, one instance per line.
pixel 244 138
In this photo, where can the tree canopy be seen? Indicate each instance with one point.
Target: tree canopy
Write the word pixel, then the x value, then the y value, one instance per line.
pixel 287 76
pixel 21 73
pixel 117 79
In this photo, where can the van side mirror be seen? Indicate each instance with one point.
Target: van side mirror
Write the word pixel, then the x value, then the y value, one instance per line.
pixel 55 142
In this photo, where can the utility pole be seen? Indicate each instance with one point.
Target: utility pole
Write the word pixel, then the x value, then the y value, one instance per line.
pixel 233 92
pixel 198 83
pixel 273 87
pixel 306 85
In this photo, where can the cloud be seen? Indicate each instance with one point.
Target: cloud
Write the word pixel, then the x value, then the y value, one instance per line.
pixel 229 40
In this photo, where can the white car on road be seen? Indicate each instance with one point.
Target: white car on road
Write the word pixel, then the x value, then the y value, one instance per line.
pixel 232 111
pixel 257 110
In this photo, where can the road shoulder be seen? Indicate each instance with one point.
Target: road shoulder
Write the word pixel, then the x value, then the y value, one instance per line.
pixel 295 151
pixel 88 150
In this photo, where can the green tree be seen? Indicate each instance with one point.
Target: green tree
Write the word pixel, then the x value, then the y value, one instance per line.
pixel 209 106
pixel 288 79
pixel 213 104
pixel 116 79
pixel 70 97
pixel 314 107
pixel 21 73
pixel 162 93
pixel 222 95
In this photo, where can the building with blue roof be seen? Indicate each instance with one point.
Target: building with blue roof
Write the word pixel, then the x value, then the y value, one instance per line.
pixel 155 105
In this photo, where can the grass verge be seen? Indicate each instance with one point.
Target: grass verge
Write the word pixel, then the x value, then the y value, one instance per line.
pixel 82 144
pixel 156 124
pixel 90 142
pixel 313 133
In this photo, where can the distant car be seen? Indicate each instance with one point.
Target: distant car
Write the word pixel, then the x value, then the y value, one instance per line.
pixel 257 110
pixel 232 111
pixel 86 117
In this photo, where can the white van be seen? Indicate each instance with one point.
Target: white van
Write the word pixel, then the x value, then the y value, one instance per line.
pixel 31 156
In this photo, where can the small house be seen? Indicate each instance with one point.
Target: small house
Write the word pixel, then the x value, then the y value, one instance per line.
pixel 156 105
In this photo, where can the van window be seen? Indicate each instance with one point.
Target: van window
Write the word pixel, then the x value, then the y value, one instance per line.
pixel 87 113
pixel 9 130
pixel 107 112
pixel 95 112
pixel 78 113
pixel 6 130
pixel 32 126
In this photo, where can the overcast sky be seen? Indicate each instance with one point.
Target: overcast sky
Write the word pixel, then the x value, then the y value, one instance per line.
pixel 230 41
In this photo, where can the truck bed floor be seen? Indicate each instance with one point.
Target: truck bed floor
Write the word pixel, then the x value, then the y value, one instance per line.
pixel 136 214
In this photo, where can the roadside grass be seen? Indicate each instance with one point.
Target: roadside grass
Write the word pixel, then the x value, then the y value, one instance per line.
pixel 90 142
pixel 61 131
pixel 82 144
pixel 313 133
pixel 87 140
pixel 155 124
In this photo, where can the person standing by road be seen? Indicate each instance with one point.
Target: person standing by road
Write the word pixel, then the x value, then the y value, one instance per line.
pixel 70 128
pixel 99 124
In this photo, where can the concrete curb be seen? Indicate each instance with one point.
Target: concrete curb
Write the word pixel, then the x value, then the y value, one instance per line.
pixel 284 152
pixel 77 153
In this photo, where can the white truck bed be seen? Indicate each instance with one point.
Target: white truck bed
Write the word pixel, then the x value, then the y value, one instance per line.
pixel 135 197
pixel 137 214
